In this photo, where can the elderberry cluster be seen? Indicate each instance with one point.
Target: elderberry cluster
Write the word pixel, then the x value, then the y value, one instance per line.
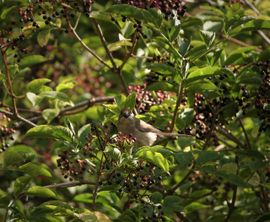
pixel 5 135
pixel 170 8
pixel 146 99
pixel 70 166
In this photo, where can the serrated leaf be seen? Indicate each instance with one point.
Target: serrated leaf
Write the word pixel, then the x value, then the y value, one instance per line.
pixel 55 95
pixel 41 192
pixel 137 13
pixel 171 204
pixel 18 154
pixel 21 183
pixel 207 156
pixel 162 68
pixel 34 169
pixel 252 25
pixel 48 131
pixel 32 60
pixel 35 85
pixel 43 37
pixel 183 159
pixel 195 206
pixel 64 85
pixel 164 86
pixel 84 198
pixel 204 72
pixel 33 98
pixel 130 101
pixel 119 45
pixel 6 11
pixel 83 133
pixel 238 55
pixel 155 158
pixel 50 114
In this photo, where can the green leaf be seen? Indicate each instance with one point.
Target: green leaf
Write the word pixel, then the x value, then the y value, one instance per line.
pixel 6 11
pixel 252 25
pixel 48 131
pixel 36 84
pixel 263 218
pixel 164 86
pixel 34 169
pixel 238 55
pixel 120 101
pixel 32 60
pixel 195 206
pixel 55 95
pixel 50 114
pixel 130 101
pixel 64 85
pixel 84 198
pixel 161 68
pixel 204 72
pixel 232 178
pixel 119 45
pixel 207 156
pixel 18 154
pixel 21 183
pixel 83 133
pixel 185 118
pixel 41 192
pixel 171 204
pixel 155 158
pixel 33 98
pixel 183 159
pixel 137 13
pixel 43 37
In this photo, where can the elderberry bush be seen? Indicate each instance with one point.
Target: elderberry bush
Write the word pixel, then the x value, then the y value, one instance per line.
pixel 197 69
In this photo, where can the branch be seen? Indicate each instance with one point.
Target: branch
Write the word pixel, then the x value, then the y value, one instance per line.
pixel 228 135
pixel 80 107
pixel 15 113
pixel 69 184
pixel 104 43
pixel 245 133
pixel 92 52
pixel 179 96
pixel 232 204
pixel 238 42
pixel 115 68
pixel 261 33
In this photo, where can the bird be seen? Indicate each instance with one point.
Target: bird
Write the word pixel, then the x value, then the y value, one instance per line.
pixel 144 133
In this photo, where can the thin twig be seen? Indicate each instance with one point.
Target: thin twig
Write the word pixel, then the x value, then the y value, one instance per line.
pixel 105 45
pixel 245 133
pixel 11 92
pixel 92 52
pixel 184 178
pixel 228 135
pixel 134 43
pixel 231 205
pixel 179 95
pixel 238 42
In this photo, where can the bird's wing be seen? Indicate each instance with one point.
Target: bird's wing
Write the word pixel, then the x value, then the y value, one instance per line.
pixel 145 127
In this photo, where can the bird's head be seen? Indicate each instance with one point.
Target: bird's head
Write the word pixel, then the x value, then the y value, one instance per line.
pixel 126 114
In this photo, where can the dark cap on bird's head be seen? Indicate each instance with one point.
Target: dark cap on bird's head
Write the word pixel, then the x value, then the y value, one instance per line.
pixel 125 113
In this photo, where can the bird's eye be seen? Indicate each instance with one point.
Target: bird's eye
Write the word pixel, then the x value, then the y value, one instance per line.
pixel 126 114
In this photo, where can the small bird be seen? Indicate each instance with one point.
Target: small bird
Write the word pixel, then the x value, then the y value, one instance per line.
pixel 144 133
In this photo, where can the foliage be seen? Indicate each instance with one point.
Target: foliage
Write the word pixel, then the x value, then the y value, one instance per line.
pixel 68 68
